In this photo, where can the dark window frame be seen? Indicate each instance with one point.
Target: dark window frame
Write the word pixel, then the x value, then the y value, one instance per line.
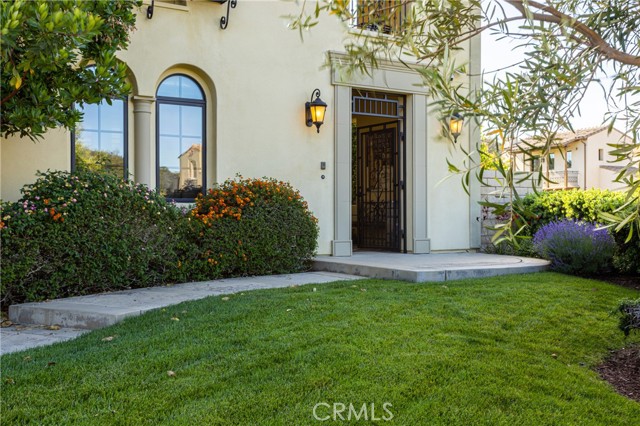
pixel 125 138
pixel 169 100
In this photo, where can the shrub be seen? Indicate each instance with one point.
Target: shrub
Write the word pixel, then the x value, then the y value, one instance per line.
pixel 629 316
pixel 584 205
pixel 252 227
pixel 88 233
pixel 84 233
pixel 574 247
pixel 627 257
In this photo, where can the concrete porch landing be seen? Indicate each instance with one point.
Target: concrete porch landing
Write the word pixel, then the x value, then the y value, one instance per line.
pixel 428 267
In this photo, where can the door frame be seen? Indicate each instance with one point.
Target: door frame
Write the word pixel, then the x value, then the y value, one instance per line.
pixel 389 108
pixel 395 78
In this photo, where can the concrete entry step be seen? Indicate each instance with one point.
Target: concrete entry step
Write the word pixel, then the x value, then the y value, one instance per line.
pixel 428 267
pixel 101 310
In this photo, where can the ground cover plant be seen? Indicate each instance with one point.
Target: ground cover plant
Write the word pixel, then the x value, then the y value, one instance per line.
pixel 494 351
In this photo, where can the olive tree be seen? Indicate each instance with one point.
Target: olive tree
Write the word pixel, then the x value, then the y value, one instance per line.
pixel 569 45
pixel 45 49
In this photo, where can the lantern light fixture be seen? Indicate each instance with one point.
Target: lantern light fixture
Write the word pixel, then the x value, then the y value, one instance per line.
pixel 455 125
pixel 315 110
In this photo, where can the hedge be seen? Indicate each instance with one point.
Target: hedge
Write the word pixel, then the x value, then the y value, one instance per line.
pixel 74 234
pixel 585 205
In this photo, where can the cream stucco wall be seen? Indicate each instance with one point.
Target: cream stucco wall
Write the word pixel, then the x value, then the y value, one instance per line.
pixel 22 159
pixel 596 175
pixel 257 75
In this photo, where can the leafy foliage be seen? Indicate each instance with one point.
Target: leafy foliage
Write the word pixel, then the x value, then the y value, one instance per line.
pixel 570 44
pixel 251 227
pixel 593 205
pixel 84 233
pixel 573 247
pixel 627 257
pixel 46 46
pixel 629 316
pixel 585 205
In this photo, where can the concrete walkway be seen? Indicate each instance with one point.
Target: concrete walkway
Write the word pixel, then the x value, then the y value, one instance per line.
pixel 429 267
pixel 64 319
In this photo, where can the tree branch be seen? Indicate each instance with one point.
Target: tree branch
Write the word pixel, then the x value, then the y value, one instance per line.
pixel 554 16
pixel 14 91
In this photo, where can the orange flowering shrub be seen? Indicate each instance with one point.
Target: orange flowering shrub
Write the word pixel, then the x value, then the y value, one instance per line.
pixel 73 234
pixel 252 227
pixel 233 196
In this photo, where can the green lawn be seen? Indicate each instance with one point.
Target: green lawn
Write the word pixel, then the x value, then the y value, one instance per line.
pixel 474 352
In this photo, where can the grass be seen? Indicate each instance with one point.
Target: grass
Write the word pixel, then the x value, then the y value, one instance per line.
pixel 512 350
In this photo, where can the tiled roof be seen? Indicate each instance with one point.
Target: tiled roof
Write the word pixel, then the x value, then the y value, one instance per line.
pixel 563 138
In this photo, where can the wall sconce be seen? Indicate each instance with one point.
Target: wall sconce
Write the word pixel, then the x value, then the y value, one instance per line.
pixel 455 125
pixel 224 21
pixel 315 110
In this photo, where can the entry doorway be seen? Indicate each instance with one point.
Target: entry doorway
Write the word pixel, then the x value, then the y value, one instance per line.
pixel 379 197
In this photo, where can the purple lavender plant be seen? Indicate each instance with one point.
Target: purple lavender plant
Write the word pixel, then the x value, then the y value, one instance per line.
pixel 574 247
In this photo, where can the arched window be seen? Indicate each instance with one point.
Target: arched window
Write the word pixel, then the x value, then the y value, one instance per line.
pixel 99 142
pixel 180 138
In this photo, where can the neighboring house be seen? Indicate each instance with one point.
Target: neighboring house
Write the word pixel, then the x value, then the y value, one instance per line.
pixel 579 159
pixel 209 103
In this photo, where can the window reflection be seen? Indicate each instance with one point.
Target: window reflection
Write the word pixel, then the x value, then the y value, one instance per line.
pixel 180 108
pixel 100 138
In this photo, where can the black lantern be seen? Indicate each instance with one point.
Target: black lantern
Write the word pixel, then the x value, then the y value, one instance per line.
pixel 315 110
pixel 455 125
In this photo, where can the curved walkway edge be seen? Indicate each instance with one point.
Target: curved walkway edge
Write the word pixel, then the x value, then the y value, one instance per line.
pixel 44 323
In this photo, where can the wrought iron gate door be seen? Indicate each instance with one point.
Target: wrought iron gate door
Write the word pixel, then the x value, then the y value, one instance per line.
pixel 378 187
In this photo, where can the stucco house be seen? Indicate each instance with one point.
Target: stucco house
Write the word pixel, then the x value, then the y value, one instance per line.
pixel 579 159
pixel 210 102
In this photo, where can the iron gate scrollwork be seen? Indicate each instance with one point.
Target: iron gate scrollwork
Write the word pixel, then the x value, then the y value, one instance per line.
pixel 378 187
